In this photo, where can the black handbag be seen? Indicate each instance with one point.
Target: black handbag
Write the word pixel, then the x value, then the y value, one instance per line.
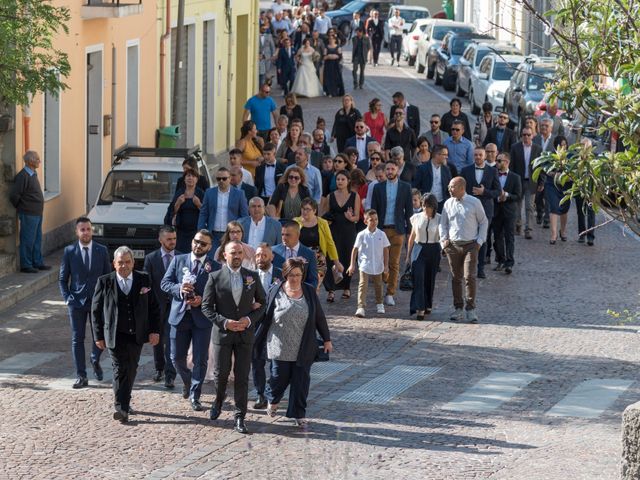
pixel 406 281
pixel 321 355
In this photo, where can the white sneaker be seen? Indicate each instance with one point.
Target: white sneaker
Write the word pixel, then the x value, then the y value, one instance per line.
pixel 360 313
pixel 457 315
pixel 380 307
pixel 389 300
pixel 472 317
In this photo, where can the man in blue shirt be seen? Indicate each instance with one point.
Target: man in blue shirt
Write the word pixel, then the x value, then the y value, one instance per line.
pixel 460 148
pixel 260 108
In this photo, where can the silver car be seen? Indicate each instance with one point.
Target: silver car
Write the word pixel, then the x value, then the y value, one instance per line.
pixel 472 57
pixel 491 80
pixel 431 39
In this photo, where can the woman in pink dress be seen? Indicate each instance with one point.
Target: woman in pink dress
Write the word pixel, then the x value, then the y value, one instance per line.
pixel 374 119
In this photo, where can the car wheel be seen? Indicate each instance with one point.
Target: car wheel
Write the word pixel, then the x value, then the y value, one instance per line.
pixel 419 66
pixel 448 84
pixel 437 79
pixel 431 70
pixel 412 61
pixel 459 91
pixel 474 108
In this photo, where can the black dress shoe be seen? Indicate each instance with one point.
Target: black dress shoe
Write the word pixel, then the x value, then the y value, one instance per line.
pixel 419 317
pixel 196 405
pixel 590 243
pixel 97 371
pixel 481 274
pixel 261 403
pixel 215 411
pixel 498 268
pixel 168 382
pixel 81 382
pixel 185 391
pixel 130 411
pixel 508 270
pixel 545 224
pixel 157 376
pixel 121 416
pixel 44 267
pixel 29 270
pixel 240 426
pixel 527 234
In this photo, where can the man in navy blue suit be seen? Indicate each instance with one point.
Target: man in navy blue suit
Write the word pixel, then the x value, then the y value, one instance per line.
pixel 221 205
pixel 156 265
pixel 188 323
pixel 435 169
pixel 82 263
pixel 291 247
pixel 286 66
pixel 482 183
pixel 360 141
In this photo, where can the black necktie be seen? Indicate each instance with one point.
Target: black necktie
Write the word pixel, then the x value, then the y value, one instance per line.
pixel 196 265
pixel 85 251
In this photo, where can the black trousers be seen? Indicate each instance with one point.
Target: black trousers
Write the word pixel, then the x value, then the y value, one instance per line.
pixel 240 354
pixel 504 232
pixel 162 351
pixel 297 378
pixel 424 271
pixel 124 358
pixel 375 46
pixel 585 212
pixel 358 81
pixel 259 377
pixel 395 46
pixel 482 254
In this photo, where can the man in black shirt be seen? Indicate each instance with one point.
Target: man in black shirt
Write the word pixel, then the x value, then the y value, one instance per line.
pixel 455 114
pixel 400 135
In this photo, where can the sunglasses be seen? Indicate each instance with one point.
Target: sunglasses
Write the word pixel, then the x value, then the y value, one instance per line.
pixel 375 158
pixel 434 122
pixel 200 242
pixel 526 134
pixel 337 161
pixel 294 177
pixel 455 129
pixel 222 179
pixel 359 126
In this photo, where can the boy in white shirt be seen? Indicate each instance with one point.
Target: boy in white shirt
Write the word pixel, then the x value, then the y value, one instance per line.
pixel 371 250
pixel 235 160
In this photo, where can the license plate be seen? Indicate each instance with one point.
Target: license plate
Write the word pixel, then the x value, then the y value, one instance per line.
pixel 138 254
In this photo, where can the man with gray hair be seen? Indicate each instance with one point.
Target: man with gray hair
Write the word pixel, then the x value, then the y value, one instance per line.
pixel 259 228
pixel 315 158
pixel 545 139
pixel 27 197
pixel 406 170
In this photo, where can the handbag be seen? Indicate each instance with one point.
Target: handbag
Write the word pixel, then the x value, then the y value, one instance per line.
pixel 406 282
pixel 321 355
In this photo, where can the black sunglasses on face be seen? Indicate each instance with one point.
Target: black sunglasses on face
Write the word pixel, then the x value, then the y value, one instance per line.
pixel 222 179
pixel 455 129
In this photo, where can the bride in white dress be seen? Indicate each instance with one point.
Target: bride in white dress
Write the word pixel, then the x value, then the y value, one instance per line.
pixel 307 83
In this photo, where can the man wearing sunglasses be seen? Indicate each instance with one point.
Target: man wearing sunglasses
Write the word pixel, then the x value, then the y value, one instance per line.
pixel 501 134
pixel 360 141
pixel 221 205
pixel 434 134
pixel 459 147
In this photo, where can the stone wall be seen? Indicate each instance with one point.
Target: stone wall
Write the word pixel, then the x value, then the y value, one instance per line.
pixel 631 442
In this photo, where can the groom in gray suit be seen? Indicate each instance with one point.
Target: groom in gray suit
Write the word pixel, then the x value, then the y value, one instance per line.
pixel 234 300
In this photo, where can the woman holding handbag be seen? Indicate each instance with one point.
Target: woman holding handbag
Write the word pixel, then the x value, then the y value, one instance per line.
pixel 423 254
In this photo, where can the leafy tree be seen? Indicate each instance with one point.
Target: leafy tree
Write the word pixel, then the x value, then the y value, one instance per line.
pixel 597 43
pixel 29 63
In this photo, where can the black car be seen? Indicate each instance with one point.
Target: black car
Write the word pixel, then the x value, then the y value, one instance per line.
pixel 449 55
pixel 341 19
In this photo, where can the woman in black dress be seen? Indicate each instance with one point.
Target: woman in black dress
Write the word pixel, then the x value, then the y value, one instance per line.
pixel 184 210
pixel 344 124
pixel 554 192
pixel 286 201
pixel 332 74
pixel 291 109
pixel 344 215
pixel 286 153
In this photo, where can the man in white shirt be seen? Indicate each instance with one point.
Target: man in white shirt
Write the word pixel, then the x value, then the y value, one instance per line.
pixel 396 24
pixel 259 228
pixel 322 24
pixel 235 160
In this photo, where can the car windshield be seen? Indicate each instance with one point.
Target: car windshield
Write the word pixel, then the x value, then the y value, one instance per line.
pixel 412 15
pixel 139 186
pixel 504 71
pixel 458 45
pixel 440 31
pixel 483 53
pixel 538 77
pixel 353 6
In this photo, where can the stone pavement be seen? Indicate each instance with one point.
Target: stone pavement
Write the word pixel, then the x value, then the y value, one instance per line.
pixel 513 397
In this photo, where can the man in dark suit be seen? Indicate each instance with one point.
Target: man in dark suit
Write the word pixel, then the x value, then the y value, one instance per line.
pixel 482 183
pixel 501 135
pixel 360 141
pixel 124 316
pixel 412 113
pixel 82 263
pixel 258 227
pixel 406 170
pixel 156 265
pixel 291 247
pixel 504 220
pixel 268 173
pixel 301 34
pixel 269 276
pixel 249 191
pixel 234 301
pixel 395 219
pixel 375 31
pixel 523 154
pixel 435 169
pixel 286 66
pixel 545 139
pixel 359 55
pixel 188 324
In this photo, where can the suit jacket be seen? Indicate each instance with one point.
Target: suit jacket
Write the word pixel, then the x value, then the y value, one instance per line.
pixel 412 119
pixel 298 38
pixel 104 308
pixel 403 207
pixel 423 179
pixel 364 45
pixel 279 254
pixel 538 141
pixel 172 281
pixel 249 191
pixel 408 173
pixel 154 266
pixel 285 63
pixel 316 322
pixel 351 142
pixel 508 139
pixel 509 208
pixel 517 159
pixel 272 230
pixel 364 165
pixel 375 32
pixel 266 50
pixel 219 306
pixel 490 183
pixel 76 283
pixel 429 134
pixel 237 207
pixel 259 177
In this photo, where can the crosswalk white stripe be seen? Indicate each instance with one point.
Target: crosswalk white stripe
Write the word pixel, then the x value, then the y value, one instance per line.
pixel 491 392
pixel 385 387
pixel 590 398
pixel 18 364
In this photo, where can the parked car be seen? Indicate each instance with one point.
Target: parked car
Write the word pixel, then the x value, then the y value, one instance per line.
pixel 410 13
pixel 135 196
pixel 342 17
pixel 526 87
pixel 431 39
pixel 491 80
pixel 473 55
pixel 449 54
pixel 410 40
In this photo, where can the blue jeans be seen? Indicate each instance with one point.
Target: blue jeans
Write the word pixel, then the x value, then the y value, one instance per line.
pixel 30 241
pixel 78 318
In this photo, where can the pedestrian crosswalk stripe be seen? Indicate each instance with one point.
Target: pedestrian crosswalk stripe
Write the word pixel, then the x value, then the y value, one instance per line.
pixel 22 362
pixel 590 398
pixel 389 385
pixel 66 383
pixel 491 392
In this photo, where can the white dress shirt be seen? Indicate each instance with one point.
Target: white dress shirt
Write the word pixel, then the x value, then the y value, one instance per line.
pixel 222 211
pixel 125 287
pixel 527 158
pixel 479 173
pixel 371 247
pixel 266 277
pixel 395 25
pixel 436 185
pixel 88 246
pixel 291 252
pixel 256 232
pixel 463 220
pixel 269 180
pixel 361 146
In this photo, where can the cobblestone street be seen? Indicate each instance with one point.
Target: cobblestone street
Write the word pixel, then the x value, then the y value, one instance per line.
pixel 535 390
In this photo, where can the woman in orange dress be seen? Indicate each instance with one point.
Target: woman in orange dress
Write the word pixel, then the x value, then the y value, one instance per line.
pixel 251 146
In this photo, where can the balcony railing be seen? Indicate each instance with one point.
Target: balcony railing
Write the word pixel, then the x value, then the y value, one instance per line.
pixel 112 9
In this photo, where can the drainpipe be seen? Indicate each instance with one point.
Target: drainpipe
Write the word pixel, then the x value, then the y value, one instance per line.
pixel 229 20
pixel 176 100
pixel 113 99
pixel 163 53
pixel 26 120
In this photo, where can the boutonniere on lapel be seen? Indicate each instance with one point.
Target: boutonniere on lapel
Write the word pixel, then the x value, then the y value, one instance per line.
pixel 207 267
pixel 275 281
pixel 248 281
pixel 144 290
